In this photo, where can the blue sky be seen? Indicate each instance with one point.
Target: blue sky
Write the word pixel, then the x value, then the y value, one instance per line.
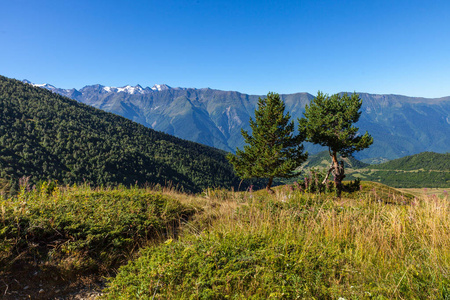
pixel 388 47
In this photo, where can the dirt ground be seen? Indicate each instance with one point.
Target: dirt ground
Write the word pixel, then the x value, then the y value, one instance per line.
pixel 25 282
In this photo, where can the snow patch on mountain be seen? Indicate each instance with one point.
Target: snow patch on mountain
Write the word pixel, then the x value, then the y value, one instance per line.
pixel 160 87
pixel 45 86
pixel 135 89
pixel 126 89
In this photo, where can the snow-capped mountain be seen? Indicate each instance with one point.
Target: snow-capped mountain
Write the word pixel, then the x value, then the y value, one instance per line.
pixel 43 85
pixel 160 87
pixel 128 89
pixel 125 89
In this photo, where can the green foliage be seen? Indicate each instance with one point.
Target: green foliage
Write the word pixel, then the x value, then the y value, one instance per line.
pixel 236 266
pixel 328 121
pixel 81 229
pixel 50 137
pixel 272 150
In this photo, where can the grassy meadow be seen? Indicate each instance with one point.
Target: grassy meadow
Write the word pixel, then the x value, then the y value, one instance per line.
pixel 375 243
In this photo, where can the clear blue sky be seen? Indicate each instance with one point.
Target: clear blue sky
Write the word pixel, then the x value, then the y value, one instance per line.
pixel 377 46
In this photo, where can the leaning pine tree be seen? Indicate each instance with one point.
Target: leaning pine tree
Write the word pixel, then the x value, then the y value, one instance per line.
pixel 272 150
pixel 328 121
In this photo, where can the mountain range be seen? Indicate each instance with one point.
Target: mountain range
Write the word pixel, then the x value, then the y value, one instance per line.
pixel 45 136
pixel 400 125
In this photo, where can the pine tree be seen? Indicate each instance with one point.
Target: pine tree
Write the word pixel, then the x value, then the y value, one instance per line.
pixel 272 150
pixel 328 121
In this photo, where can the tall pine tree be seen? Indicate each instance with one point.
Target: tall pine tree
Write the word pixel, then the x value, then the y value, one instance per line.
pixel 272 150
pixel 328 121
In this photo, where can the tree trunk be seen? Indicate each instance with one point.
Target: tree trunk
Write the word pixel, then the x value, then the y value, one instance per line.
pixel 269 184
pixel 328 174
pixel 338 174
pixel 239 187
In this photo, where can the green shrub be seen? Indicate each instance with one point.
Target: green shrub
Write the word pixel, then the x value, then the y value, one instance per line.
pixel 91 229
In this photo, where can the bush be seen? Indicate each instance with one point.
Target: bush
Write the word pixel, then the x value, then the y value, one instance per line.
pixel 92 229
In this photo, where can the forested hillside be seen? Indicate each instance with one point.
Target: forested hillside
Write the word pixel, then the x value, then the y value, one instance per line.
pixel 426 161
pixel 48 136
pixel 427 169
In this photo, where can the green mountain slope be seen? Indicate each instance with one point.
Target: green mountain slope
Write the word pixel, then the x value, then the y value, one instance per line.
pixel 48 136
pixel 426 169
pixel 429 161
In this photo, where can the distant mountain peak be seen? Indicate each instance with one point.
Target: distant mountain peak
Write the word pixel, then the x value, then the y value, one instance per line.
pixel 45 86
pixel 160 87
pixel 41 85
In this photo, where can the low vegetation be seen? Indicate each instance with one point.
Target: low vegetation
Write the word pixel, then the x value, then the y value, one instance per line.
pixel 377 243
pixel 80 230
